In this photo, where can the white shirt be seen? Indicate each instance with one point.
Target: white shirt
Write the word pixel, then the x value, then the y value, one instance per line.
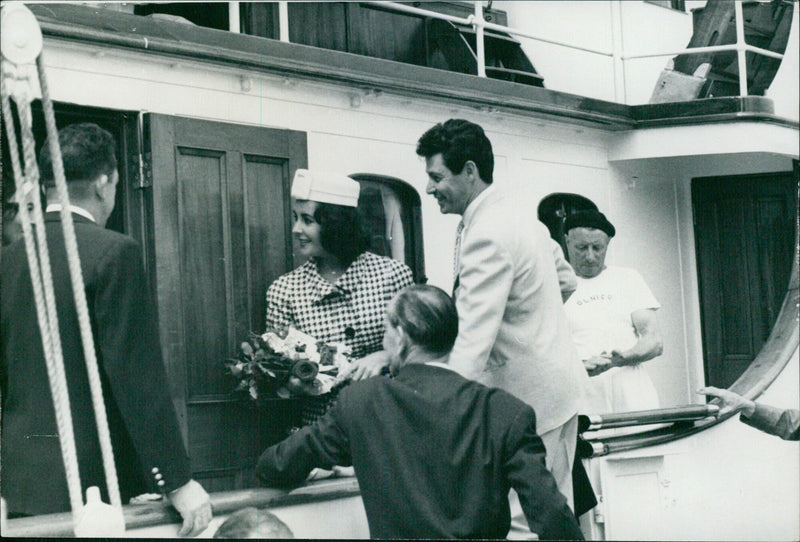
pixel 56 208
pixel 599 311
pixel 599 314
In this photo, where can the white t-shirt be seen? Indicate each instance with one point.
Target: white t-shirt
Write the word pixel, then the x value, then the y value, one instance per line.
pixel 599 315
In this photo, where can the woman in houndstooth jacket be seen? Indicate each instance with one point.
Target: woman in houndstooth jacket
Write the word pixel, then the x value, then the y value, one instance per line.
pixel 340 294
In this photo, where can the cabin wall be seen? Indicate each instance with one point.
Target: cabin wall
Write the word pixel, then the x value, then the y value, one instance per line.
pixel 349 129
pixel 644 209
pixel 657 193
pixel 353 130
pixel 729 482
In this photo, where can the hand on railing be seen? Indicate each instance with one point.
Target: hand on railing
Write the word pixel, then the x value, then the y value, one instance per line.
pixel 194 506
pixel 730 401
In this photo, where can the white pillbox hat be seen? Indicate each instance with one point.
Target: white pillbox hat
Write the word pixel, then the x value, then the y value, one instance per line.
pixel 325 188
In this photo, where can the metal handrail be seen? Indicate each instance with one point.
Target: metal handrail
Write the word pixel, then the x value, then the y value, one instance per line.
pixel 594 422
pixel 479 24
pixel 708 49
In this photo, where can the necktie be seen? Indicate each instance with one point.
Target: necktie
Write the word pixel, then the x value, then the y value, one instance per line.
pixel 457 254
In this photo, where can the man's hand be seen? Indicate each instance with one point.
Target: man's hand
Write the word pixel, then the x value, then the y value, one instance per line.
pixel 368 366
pixel 597 365
pixel 194 505
pixel 617 359
pixel 730 401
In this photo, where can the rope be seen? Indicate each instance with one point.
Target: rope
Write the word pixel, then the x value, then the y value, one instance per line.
pixel 80 294
pixel 43 295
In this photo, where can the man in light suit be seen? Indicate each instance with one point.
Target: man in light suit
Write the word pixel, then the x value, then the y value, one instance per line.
pixel 435 454
pixel 144 429
pixel 513 332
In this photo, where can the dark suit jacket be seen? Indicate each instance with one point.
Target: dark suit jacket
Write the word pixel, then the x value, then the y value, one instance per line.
pixel 435 455
pixel 141 415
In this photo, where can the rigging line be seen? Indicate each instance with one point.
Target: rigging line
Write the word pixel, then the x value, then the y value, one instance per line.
pixel 79 293
pixel 42 290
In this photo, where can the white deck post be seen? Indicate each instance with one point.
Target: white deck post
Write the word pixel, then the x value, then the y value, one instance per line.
pixel 283 21
pixel 479 45
pixel 740 47
pixel 234 23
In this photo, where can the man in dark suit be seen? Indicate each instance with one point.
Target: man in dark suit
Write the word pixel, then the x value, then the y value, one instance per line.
pixel 435 454
pixel 144 429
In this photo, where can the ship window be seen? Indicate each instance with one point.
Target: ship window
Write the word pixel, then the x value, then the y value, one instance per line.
pixel 392 215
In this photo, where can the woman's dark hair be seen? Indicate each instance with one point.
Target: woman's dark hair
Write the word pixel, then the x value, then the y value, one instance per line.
pixel 428 315
pixel 342 231
pixel 459 140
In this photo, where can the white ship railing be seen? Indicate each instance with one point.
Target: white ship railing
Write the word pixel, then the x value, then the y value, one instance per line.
pixel 618 56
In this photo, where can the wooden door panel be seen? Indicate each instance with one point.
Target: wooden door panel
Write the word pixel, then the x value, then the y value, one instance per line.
pixel 734 250
pixel 774 218
pixel 744 231
pixel 711 306
pixel 319 24
pixel 384 34
pixel 201 176
pixel 222 234
pixel 265 215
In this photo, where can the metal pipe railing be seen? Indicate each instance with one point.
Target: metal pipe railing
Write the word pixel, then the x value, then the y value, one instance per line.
pixel 480 46
pixel 708 49
pixel 234 22
pixel 594 422
pixel 283 21
pixel 478 23
pixel 740 48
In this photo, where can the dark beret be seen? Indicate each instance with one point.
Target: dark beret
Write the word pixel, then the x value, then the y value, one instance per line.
pixel 589 219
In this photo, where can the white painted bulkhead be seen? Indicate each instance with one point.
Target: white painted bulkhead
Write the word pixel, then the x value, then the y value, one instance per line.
pixel 640 179
pixel 353 130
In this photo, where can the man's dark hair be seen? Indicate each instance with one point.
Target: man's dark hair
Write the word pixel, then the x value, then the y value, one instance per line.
pixel 428 315
pixel 459 141
pixel 87 151
pixel 342 231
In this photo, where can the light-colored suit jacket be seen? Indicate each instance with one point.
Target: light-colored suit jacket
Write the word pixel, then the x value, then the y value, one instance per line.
pixel 513 332
pixel 775 421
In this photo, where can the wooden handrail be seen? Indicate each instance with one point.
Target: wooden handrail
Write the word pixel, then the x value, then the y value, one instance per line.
pixel 138 516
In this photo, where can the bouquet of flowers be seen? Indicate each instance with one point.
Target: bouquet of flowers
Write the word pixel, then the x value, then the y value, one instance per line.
pixel 286 363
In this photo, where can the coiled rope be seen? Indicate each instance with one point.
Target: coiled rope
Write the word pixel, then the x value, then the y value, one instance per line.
pixel 42 284
pixel 41 278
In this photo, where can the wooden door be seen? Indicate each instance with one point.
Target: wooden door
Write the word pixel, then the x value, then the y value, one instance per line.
pixel 744 232
pixel 222 234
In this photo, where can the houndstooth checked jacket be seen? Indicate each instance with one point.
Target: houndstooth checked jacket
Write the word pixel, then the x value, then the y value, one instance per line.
pixel 350 311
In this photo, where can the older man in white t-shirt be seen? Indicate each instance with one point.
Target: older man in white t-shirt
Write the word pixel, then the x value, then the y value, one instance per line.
pixel 612 317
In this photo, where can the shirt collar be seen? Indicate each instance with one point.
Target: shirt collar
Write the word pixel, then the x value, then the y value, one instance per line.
pixel 441 365
pixel 56 208
pixel 469 212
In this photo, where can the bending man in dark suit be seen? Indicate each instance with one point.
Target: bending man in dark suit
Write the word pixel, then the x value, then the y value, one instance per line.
pixel 144 429
pixel 435 454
